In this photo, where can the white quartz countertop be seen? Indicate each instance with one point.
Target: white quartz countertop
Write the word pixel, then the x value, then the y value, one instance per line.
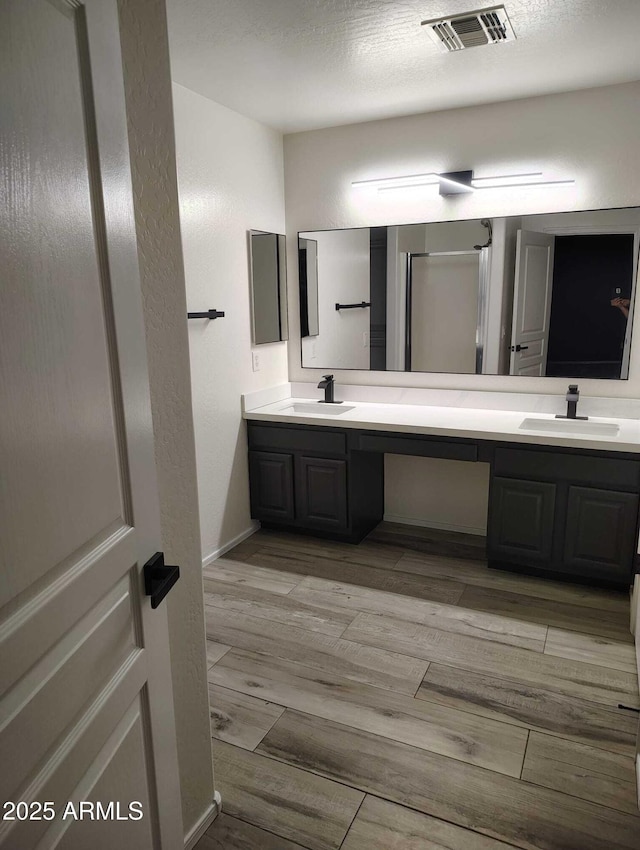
pixel 469 423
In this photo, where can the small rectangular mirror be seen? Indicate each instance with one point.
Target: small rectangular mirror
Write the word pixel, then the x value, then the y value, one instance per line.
pixel 267 268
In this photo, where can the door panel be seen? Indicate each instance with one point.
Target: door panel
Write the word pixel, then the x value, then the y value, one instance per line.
pixel 532 303
pixel 601 532
pixel 60 422
pixel 321 491
pixel 79 644
pixel 521 520
pixel 271 483
pixel 115 776
pixel 67 676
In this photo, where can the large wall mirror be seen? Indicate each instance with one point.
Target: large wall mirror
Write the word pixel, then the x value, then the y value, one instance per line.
pixel 541 295
pixel 268 279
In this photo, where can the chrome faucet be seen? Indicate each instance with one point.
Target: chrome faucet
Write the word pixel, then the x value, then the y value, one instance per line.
pixel 573 396
pixel 327 384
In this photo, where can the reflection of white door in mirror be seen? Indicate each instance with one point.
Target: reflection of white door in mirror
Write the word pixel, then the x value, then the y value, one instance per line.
pixel 444 312
pixel 532 303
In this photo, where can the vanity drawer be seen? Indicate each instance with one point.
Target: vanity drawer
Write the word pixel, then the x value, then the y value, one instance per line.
pixel 617 473
pixel 316 439
pixel 420 446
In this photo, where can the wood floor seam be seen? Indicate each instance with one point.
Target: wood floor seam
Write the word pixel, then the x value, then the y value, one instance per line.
pixel 524 756
pixel 352 822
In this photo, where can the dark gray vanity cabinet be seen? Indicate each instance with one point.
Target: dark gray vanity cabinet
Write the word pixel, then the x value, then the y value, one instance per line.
pixel 313 479
pixel 573 514
pixel 559 512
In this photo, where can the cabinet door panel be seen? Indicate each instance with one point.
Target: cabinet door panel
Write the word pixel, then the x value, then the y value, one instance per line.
pixel 521 520
pixel 271 480
pixel 600 532
pixel 321 491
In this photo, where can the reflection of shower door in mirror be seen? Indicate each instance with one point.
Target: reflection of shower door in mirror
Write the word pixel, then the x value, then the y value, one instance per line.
pixel 444 304
pixel 531 303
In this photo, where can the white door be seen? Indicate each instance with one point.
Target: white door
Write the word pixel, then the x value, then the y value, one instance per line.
pixel 86 710
pixel 531 303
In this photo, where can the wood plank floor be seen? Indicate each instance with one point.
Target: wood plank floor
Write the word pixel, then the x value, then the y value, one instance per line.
pixel 387 697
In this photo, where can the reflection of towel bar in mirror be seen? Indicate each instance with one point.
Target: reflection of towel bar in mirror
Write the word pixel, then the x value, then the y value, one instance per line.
pixel 362 304
pixel 207 314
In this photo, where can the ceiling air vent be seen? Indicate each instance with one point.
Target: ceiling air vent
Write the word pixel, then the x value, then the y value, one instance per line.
pixel 473 29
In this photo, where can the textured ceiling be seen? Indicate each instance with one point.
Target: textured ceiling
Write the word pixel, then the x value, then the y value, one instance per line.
pixel 303 64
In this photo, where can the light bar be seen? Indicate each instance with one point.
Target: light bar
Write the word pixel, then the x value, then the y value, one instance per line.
pixel 408 186
pixel 504 180
pixel 529 184
pixel 429 179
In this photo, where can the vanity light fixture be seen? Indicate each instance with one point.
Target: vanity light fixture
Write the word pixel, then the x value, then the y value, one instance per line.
pixel 459 182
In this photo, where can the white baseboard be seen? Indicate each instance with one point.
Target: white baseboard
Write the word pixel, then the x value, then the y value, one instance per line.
pixel 204 822
pixel 443 526
pixel 217 553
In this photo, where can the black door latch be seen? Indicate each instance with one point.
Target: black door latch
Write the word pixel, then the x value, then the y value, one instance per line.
pixel 159 578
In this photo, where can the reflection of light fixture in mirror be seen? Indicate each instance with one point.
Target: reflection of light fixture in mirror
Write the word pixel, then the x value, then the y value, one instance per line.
pixel 459 182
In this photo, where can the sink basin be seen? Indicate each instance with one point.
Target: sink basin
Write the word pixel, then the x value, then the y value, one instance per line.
pixel 571 426
pixel 319 408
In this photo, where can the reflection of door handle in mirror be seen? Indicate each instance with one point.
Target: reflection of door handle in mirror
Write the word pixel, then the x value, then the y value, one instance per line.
pixel 519 347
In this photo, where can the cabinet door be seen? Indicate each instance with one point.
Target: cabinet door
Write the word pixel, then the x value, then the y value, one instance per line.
pixel 600 532
pixel 521 521
pixel 271 483
pixel 321 491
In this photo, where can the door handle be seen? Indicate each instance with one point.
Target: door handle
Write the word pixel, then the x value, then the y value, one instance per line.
pixel 519 347
pixel 159 578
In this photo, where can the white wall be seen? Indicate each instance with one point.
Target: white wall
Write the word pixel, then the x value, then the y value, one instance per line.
pixel 230 180
pixel 447 494
pixel 145 54
pixel 343 258
pixel 591 136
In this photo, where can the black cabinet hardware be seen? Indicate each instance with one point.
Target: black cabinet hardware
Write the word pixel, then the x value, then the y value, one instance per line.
pixel 362 305
pixel 519 347
pixel 207 314
pixel 159 578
